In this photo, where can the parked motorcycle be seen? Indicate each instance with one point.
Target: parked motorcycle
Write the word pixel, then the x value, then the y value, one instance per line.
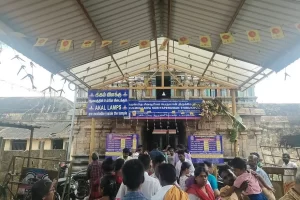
pixel 82 184
pixel 69 185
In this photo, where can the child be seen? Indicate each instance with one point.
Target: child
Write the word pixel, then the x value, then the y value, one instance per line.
pixel 184 175
pixel 253 190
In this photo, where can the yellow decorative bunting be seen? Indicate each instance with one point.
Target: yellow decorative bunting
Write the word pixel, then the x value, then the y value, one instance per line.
pixel 297 26
pixel 164 44
pixel 124 42
pixel 40 42
pixel 144 44
pixel 183 40
pixel 276 32
pixel 205 41
pixel 87 43
pixel 65 45
pixel 105 43
pixel 227 38
pixel 253 36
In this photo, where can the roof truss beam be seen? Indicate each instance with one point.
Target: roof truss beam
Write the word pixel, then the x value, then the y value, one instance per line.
pixel 98 33
pixel 169 29
pixel 134 73
pixel 226 30
pixel 153 19
pixel 223 83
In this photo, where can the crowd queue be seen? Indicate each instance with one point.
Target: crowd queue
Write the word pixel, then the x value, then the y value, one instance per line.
pixel 171 175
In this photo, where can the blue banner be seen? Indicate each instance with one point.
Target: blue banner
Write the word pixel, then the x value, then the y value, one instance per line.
pixel 115 143
pixel 107 103
pixel 164 109
pixel 204 148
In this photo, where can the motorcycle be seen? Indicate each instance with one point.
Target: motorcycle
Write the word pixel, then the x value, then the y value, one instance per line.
pixel 69 186
pixel 82 184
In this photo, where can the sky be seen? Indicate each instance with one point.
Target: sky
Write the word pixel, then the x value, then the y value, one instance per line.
pixel 273 89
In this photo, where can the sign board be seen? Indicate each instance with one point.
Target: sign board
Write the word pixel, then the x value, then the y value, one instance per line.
pixel 107 103
pixel 164 109
pixel 208 148
pixel 115 143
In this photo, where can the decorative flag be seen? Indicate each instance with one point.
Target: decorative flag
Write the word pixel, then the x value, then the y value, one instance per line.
pixel 205 41
pixel 105 43
pixel 87 43
pixel 124 42
pixel 183 40
pixel 253 36
pixel 40 42
pixel 227 38
pixel 144 44
pixel 164 44
pixel 65 45
pixel 276 32
pixel 297 26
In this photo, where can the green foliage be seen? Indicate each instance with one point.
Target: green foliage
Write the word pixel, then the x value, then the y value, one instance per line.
pixel 215 107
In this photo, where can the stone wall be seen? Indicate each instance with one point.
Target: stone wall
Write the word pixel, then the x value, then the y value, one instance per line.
pixel 81 142
pixel 265 127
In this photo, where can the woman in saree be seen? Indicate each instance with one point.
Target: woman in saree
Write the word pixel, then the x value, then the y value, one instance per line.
pixel 200 189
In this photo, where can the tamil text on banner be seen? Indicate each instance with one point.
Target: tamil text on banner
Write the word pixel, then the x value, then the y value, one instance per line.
pixel 183 40
pixel 204 148
pixel 205 41
pixel 164 109
pixel 115 143
pixel 106 103
pixel 87 43
pixel 40 42
pixel 65 45
pixel 276 32
pixel 144 44
pixel 105 43
pixel 253 36
pixel 164 44
pixel 124 42
pixel 227 38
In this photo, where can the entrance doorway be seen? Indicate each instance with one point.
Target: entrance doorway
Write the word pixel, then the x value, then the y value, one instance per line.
pixel 160 136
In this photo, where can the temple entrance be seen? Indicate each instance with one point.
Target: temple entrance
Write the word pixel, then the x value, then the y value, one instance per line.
pixel 160 135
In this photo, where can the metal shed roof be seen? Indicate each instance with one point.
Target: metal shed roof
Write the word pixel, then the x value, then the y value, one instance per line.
pixel 240 65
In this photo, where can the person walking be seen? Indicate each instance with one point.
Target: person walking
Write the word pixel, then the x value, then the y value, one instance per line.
pixel 94 174
pixel 149 187
pixel 133 177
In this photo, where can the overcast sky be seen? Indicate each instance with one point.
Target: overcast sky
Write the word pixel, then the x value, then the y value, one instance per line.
pixel 274 89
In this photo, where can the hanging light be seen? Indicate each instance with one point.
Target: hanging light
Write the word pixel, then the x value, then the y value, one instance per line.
pixel 163 94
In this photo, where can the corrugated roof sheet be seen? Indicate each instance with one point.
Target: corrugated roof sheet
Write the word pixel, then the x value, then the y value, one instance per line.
pixel 48 130
pixel 133 19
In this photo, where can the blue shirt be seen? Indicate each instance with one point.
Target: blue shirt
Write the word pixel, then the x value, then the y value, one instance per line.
pixel 134 196
pixel 264 175
pixel 213 181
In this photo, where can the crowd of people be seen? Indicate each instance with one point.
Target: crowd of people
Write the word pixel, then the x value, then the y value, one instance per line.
pixel 171 175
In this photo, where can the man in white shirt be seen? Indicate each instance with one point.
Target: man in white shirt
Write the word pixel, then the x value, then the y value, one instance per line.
pixel 125 155
pixel 182 159
pixel 289 179
pixel 149 187
pixel 167 177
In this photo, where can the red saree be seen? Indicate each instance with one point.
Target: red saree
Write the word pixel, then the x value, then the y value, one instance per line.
pixel 196 190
